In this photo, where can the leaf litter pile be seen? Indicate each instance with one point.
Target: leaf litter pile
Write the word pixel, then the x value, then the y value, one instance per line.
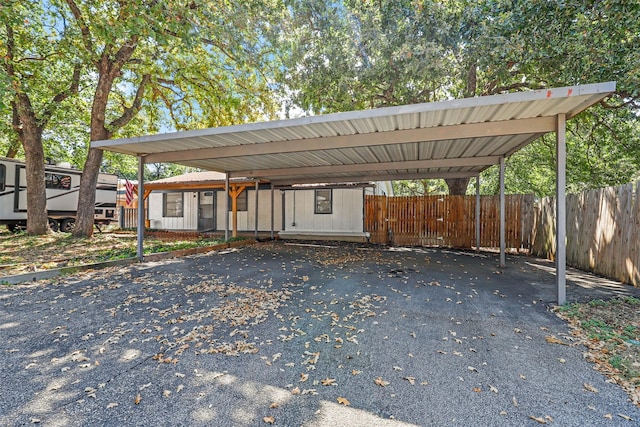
pixel 611 332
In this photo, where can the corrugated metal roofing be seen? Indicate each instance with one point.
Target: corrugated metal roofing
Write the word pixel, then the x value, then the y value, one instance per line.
pixel 452 138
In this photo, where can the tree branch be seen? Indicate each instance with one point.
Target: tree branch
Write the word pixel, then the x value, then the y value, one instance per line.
pixel 61 96
pixel 514 86
pixel 84 28
pixel 630 102
pixel 130 112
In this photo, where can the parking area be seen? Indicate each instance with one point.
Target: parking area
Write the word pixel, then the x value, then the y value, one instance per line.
pixel 304 334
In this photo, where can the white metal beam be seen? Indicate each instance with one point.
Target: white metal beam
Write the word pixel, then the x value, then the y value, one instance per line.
pixel 370 178
pixel 272 212
pixel 367 167
pixel 256 219
pixel 226 207
pixel 440 133
pixel 140 246
pixel 561 209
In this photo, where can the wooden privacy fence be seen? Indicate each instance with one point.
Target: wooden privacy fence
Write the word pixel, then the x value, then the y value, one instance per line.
pixel 448 221
pixel 603 232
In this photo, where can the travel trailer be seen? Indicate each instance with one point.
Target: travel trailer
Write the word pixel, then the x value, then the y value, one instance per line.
pixel 62 185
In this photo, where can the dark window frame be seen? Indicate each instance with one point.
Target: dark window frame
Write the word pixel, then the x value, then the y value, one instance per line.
pixel 179 213
pixel 3 177
pixel 317 209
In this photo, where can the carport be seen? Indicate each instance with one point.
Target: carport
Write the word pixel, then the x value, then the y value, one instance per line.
pixel 448 139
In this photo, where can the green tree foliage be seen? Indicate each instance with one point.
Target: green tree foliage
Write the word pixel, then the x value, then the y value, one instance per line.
pixel 351 54
pixel 141 67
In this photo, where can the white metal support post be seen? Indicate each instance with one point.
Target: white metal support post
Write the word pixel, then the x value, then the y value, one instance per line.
pixel 256 223
pixel 140 248
pixel 503 243
pixel 272 212
pixel 226 206
pixel 478 213
pixel 561 209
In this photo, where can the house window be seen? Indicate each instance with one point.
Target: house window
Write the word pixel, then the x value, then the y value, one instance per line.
pixel 2 176
pixel 57 181
pixel 172 204
pixel 323 201
pixel 242 201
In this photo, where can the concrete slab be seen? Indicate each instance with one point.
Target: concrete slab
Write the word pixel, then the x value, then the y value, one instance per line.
pixel 404 336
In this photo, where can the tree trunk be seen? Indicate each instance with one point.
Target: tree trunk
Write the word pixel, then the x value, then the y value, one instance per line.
pixel 89 180
pixel 87 194
pixel 457 186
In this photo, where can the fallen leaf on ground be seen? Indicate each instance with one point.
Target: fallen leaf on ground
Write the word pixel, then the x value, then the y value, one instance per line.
pixel 477 389
pixel 274 405
pixel 328 381
pixel 590 388
pixel 626 417
pixel 138 399
pixel 355 372
pixel 269 420
pixel 343 401
pixel 295 391
pixel 538 419
pixel 304 377
pixel 493 389
pixel 382 383
pixel 412 380
pixel 552 339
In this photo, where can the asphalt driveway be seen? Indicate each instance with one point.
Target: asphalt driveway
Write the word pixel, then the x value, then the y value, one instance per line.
pixel 303 335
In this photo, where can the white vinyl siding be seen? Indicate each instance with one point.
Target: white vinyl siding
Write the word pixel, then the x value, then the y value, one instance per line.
pixel 346 214
pixel 246 219
pixel 188 220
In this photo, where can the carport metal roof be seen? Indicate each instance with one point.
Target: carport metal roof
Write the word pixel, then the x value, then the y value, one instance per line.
pixel 448 139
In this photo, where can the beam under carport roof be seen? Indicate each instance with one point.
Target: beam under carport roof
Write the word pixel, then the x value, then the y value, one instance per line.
pixel 367 167
pixel 371 178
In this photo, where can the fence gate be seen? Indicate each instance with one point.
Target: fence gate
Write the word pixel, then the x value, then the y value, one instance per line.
pixel 448 220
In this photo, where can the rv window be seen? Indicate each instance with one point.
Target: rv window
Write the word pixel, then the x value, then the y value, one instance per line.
pixel 58 182
pixel 172 204
pixel 241 200
pixel 323 202
pixel 2 177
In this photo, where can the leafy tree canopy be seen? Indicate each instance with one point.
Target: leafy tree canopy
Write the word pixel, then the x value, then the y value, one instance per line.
pixel 352 54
